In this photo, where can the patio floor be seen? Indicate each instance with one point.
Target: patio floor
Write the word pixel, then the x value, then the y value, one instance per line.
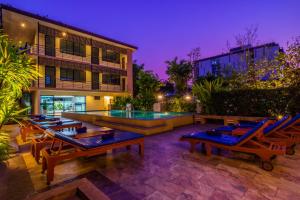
pixel 167 171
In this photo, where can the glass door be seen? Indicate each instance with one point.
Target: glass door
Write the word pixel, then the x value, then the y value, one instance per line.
pixel 47 105
pixel 50 75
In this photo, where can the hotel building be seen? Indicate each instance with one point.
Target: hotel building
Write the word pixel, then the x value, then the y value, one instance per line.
pixel 80 70
pixel 237 59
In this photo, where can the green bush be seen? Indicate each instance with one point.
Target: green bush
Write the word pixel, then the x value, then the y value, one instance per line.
pixel 4 146
pixel 139 103
pixel 120 102
pixel 256 102
pixel 180 105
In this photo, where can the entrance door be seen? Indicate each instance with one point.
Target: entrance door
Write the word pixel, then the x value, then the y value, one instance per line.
pixel 95 81
pixel 50 75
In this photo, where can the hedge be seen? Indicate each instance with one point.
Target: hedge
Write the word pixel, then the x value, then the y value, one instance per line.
pixel 258 102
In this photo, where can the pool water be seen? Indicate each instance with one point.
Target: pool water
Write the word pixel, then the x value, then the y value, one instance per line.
pixel 145 115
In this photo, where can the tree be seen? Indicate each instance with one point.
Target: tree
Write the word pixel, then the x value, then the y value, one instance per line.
pixel 283 71
pixel 136 69
pixel 204 90
pixel 180 72
pixel 148 85
pixel 17 71
pixel 167 87
pixel 194 55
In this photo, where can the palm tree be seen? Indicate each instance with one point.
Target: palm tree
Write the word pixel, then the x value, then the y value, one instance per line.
pixel 17 71
pixel 180 72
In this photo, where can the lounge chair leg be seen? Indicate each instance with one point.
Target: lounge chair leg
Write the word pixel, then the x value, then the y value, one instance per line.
pixel 37 154
pixel 193 147
pixel 141 149
pixel 50 172
pixel 33 149
pixel 208 149
pixel 44 165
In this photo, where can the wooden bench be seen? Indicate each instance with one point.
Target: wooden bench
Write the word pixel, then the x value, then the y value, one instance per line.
pixel 227 119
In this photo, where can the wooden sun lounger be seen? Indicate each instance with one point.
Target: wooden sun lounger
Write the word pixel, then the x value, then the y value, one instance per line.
pixel 248 143
pixel 289 132
pixel 284 130
pixel 32 127
pixel 70 148
pixel 38 144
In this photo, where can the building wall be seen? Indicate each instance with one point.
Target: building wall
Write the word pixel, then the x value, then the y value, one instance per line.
pixel 91 103
pixel 237 60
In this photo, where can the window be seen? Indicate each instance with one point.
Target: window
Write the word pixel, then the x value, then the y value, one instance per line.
pixel 66 74
pixel 49 45
pixel 95 55
pixel 110 56
pixel 111 79
pixel 72 47
pixel 79 75
pixel 50 76
pixel 72 75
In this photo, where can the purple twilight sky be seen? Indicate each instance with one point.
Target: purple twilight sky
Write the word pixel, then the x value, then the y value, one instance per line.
pixel 163 29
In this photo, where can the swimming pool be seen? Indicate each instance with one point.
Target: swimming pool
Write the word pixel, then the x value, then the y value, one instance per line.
pixel 144 122
pixel 142 115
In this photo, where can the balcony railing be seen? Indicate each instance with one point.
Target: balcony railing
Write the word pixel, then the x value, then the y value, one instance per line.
pixel 42 51
pixel 72 85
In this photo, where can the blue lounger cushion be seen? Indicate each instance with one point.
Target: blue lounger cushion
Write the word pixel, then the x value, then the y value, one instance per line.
pixel 63 124
pixel 53 122
pixel 96 141
pixel 291 121
pixel 271 127
pixel 225 139
pixel 233 127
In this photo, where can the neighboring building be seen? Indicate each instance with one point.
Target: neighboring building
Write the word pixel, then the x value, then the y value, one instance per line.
pixel 237 59
pixel 80 70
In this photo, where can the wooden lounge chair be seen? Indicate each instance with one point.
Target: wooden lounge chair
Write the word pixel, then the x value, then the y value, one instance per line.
pixel 284 130
pixel 70 148
pixel 33 127
pixel 250 142
pixel 288 132
pixel 39 143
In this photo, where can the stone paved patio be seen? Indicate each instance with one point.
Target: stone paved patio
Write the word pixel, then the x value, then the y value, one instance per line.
pixel 167 171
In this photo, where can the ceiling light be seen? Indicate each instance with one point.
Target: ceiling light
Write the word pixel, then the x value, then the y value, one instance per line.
pixel 23 25
pixel 64 34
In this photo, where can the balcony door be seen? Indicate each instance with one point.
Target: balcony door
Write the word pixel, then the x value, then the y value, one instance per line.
pixel 123 84
pixel 50 76
pixel 95 55
pixel 49 45
pixel 95 81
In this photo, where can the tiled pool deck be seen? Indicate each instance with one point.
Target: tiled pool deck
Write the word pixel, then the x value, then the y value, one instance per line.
pixel 167 171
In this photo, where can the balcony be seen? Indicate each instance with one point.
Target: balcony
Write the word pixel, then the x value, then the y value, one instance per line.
pixel 81 86
pixel 40 50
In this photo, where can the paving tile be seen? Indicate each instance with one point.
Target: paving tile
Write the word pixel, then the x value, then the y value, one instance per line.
pixel 167 171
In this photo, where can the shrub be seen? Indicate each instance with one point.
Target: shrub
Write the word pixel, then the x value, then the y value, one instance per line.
pixel 180 105
pixel 256 102
pixel 4 146
pixel 120 102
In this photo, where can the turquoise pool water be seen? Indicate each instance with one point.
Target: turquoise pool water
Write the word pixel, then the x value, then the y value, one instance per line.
pixel 146 115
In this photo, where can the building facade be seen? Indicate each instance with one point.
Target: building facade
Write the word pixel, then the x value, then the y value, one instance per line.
pixel 237 59
pixel 80 70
